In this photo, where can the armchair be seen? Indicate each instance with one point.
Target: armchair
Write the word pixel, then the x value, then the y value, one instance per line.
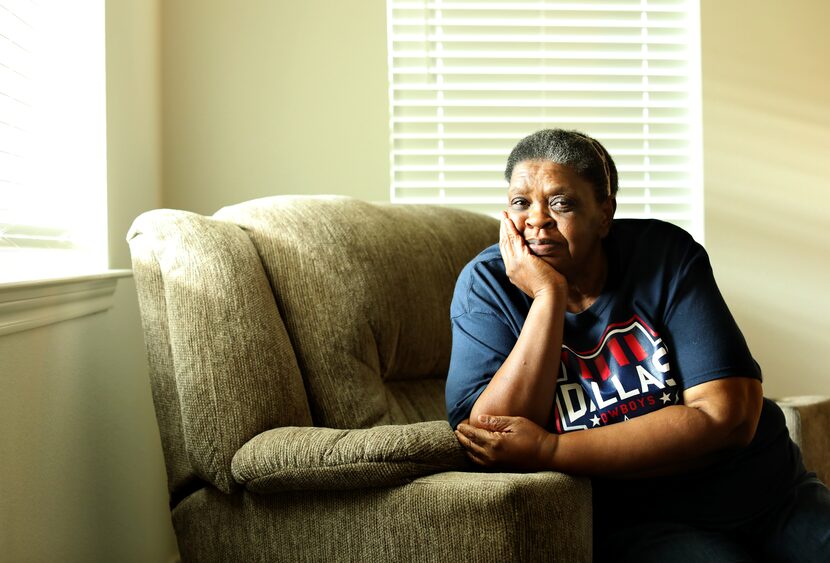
pixel 298 348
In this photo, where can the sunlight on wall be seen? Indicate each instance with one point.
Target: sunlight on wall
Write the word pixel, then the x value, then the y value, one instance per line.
pixel 766 135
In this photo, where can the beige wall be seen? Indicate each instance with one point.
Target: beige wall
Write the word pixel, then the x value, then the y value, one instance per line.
pixel 80 456
pixel 256 92
pixel 133 117
pixel 766 130
pixel 83 475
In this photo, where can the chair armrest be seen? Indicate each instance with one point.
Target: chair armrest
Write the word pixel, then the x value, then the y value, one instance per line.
pixel 538 516
pixel 451 516
pixel 808 421
pixel 309 458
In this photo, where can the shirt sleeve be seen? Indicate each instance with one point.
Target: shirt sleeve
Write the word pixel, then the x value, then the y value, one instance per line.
pixel 481 343
pixel 705 338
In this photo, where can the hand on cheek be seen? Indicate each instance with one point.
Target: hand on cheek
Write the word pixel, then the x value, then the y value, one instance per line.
pixel 526 271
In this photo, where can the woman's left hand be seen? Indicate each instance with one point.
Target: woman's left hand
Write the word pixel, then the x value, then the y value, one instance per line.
pixel 508 441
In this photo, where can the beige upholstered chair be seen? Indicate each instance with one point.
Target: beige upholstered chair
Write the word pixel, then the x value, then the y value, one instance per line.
pixel 298 348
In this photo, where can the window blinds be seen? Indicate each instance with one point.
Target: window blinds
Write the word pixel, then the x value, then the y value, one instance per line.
pixel 52 136
pixel 468 79
pixel 17 119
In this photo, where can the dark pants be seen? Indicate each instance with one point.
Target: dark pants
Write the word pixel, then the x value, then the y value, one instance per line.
pixel 797 530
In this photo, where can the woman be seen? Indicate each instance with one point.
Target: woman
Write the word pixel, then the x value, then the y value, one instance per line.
pixel 603 347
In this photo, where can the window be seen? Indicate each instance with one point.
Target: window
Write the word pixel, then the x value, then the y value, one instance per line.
pixel 52 138
pixel 468 79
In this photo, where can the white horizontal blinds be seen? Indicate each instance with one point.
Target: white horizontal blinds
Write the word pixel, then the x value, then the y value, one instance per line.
pixel 19 51
pixel 469 79
pixel 52 136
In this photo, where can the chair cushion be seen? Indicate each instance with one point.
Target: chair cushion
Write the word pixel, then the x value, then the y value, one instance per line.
pixel 287 459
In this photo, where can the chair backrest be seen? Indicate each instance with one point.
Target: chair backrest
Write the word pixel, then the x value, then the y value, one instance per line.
pixel 364 290
pixel 291 310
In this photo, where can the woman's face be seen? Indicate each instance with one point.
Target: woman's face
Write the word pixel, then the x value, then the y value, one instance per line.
pixel 558 215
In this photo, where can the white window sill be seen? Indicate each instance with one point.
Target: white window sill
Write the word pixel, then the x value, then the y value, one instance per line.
pixel 31 304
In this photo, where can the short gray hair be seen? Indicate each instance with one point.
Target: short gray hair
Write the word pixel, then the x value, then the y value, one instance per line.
pixel 584 154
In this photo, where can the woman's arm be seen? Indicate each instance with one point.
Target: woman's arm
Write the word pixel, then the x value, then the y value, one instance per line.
pixel 526 382
pixel 717 416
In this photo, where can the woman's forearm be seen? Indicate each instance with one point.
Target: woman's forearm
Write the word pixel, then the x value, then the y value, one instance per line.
pixel 526 382
pixel 719 416
pixel 654 444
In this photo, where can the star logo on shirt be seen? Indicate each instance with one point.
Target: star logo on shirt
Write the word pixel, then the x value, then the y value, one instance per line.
pixel 666 398
pixel 595 420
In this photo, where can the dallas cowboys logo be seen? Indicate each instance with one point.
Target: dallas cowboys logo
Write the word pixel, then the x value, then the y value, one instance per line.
pixel 626 375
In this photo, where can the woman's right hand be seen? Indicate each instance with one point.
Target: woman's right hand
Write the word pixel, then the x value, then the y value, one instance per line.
pixel 526 271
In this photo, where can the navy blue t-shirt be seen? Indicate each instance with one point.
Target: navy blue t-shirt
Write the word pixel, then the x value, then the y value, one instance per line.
pixel 660 326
